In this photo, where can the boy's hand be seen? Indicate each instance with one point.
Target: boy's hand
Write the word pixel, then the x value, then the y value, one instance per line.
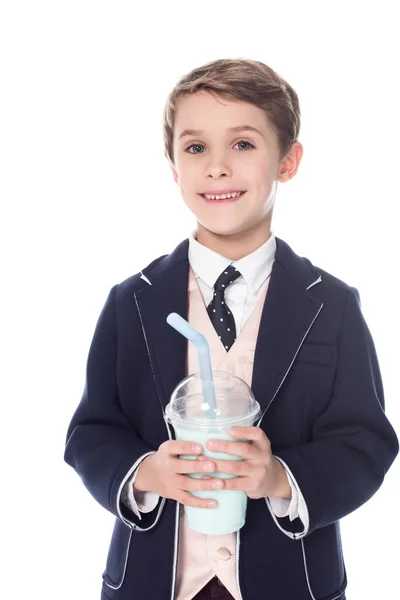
pixel 259 473
pixel 166 474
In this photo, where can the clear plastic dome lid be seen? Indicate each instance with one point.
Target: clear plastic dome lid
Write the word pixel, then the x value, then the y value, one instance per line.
pixel 235 403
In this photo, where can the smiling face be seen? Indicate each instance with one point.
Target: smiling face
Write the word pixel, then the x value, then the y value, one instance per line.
pixel 217 157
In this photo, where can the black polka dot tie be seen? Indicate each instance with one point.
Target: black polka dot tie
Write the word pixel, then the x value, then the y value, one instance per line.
pixel 219 313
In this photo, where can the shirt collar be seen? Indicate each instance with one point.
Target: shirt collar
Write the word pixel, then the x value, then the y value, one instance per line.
pixel 255 267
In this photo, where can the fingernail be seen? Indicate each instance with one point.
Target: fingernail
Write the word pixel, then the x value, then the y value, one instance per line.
pixel 197 448
pixel 212 504
pixel 233 431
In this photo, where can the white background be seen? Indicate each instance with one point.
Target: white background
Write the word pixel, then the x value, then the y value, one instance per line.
pixel 87 199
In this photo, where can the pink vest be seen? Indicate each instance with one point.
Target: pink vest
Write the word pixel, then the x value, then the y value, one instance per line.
pixel 200 556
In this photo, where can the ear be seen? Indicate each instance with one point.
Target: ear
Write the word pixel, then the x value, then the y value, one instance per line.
pixel 291 162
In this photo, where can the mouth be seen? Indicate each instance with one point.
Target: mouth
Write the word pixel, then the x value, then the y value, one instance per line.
pixel 222 200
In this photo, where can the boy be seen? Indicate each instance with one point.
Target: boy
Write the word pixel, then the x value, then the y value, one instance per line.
pixel 292 331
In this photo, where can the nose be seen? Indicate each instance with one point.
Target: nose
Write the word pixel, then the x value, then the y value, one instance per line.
pixel 216 171
pixel 218 166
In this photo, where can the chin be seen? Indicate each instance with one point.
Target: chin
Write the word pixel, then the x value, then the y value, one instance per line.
pixel 223 230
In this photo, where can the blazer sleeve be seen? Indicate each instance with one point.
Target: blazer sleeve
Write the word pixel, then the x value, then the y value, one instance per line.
pixel 353 443
pixel 102 445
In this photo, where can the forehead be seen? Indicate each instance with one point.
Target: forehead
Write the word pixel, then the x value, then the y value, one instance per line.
pixel 206 112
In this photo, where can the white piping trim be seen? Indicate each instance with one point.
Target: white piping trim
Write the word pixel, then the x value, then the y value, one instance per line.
pixel 177 523
pixel 132 526
pixel 119 493
pixel 237 563
pixel 315 282
pixel 295 536
pixel 116 587
pixel 290 366
pixel 292 536
pixel 175 550
pixel 170 437
pixel 289 534
pixel 306 571
pixel 307 577
pixel 145 278
pixel 301 499
pixel 149 355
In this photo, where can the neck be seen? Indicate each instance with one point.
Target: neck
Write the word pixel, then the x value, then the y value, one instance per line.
pixel 236 245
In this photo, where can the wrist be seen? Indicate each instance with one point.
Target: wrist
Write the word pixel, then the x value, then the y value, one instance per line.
pixel 141 480
pixel 282 488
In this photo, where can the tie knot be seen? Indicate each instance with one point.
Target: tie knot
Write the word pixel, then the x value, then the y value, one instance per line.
pixel 228 276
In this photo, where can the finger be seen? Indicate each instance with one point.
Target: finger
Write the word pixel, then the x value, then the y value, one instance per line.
pixel 253 434
pixel 176 447
pixel 192 484
pixel 238 468
pixel 188 466
pixel 188 499
pixel 245 484
pixel 204 458
pixel 241 449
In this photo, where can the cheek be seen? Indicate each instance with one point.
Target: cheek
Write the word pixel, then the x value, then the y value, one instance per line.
pixel 263 169
pixel 189 178
pixel 187 183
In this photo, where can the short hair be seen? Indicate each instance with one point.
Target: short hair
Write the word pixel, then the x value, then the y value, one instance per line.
pixel 242 79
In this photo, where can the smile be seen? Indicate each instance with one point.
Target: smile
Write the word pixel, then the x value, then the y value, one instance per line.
pixel 223 198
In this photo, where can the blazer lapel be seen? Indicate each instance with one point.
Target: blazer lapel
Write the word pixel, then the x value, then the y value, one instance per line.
pixel 167 293
pixel 289 311
pixel 288 314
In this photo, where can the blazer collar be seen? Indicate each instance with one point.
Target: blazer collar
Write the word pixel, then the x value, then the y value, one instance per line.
pixel 290 309
pixel 301 269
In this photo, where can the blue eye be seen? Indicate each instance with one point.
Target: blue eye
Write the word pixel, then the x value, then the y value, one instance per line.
pixel 201 145
pixel 244 142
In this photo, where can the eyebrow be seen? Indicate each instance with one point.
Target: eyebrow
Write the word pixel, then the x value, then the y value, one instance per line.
pixel 186 132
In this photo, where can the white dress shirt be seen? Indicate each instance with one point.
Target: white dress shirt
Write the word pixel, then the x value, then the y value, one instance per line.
pixel 242 297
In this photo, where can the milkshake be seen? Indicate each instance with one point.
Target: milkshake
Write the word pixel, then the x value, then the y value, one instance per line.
pixel 191 420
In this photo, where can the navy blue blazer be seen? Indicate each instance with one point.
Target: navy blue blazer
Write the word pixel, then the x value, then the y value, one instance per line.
pixel 317 378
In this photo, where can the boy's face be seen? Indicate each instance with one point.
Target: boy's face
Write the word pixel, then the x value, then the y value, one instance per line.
pixel 214 160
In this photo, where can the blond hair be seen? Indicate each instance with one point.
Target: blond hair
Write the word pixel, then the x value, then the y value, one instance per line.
pixel 242 79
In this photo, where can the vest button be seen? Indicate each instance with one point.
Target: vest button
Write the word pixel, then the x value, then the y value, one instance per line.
pixel 224 553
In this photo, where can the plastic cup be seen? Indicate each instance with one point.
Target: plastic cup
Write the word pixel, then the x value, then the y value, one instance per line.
pixel 189 417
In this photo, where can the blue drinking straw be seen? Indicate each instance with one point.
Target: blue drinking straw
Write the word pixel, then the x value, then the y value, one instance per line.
pixel 203 351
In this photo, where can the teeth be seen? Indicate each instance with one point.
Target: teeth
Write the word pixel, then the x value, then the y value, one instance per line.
pixel 221 197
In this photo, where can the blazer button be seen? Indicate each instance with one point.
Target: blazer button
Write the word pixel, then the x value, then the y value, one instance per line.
pixel 224 553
